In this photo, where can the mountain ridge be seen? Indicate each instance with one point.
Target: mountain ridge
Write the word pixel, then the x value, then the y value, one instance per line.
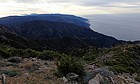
pixel 16 20
pixel 43 31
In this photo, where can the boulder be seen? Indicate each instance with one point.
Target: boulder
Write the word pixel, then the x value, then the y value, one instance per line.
pixel 92 81
pixel 96 79
pixel 72 76
pixel 64 80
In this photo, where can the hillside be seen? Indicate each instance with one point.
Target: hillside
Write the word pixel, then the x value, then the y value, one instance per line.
pixel 123 58
pixel 118 64
pixel 39 31
pixel 56 26
pixel 8 37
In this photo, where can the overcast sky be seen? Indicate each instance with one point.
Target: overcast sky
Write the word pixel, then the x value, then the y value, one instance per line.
pixel 76 7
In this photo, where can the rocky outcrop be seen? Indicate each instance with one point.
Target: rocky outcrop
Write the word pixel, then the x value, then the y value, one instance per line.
pixel 102 75
pixel 70 78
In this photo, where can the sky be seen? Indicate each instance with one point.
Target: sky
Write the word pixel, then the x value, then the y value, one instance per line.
pixel 75 7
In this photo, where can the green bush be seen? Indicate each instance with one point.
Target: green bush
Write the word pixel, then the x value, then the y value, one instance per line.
pixel 118 69
pixel 90 58
pixel 10 73
pixel 15 59
pixel 130 69
pixel 31 53
pixel 7 52
pixel 70 65
pixel 4 54
pixel 49 55
pixel 137 78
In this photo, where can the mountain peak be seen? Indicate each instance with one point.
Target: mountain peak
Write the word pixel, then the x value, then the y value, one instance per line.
pixel 16 20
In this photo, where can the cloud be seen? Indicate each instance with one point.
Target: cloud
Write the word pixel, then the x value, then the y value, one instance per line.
pixel 92 2
pixel 77 7
pixel 79 2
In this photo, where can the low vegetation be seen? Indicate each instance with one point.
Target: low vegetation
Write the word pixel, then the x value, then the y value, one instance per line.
pixel 70 64
pixel 15 59
pixel 120 59
pixel 10 73
pixel 137 78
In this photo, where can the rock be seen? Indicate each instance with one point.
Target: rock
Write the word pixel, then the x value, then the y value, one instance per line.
pixel 3 79
pixel 64 80
pixel 71 76
pixel 34 59
pixel 105 72
pixel 113 82
pixel 96 79
pixel 90 67
pixel 92 81
pixel 46 63
pixel 27 75
pixel 25 59
pixel 134 75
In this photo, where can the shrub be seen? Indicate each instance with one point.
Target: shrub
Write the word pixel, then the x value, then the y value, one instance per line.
pixel 70 65
pixel 130 69
pixel 30 66
pixel 33 68
pixel 15 59
pixel 118 69
pixel 10 73
pixel 90 58
pixel 49 55
pixel 4 54
pixel 137 78
pixel 31 53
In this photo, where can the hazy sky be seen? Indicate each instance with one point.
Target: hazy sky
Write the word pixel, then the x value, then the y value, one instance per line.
pixel 76 7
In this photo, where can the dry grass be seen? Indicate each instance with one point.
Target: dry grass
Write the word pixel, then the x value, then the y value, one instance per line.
pixel 43 74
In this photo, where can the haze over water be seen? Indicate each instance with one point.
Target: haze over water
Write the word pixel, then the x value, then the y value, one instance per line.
pixel 120 26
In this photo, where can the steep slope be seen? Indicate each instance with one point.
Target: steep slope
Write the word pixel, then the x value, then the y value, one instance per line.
pixel 124 58
pixel 120 63
pixel 8 37
pixel 120 59
pixel 43 30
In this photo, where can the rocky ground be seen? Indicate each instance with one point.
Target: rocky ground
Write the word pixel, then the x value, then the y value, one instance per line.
pixel 29 71
pixel 36 71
